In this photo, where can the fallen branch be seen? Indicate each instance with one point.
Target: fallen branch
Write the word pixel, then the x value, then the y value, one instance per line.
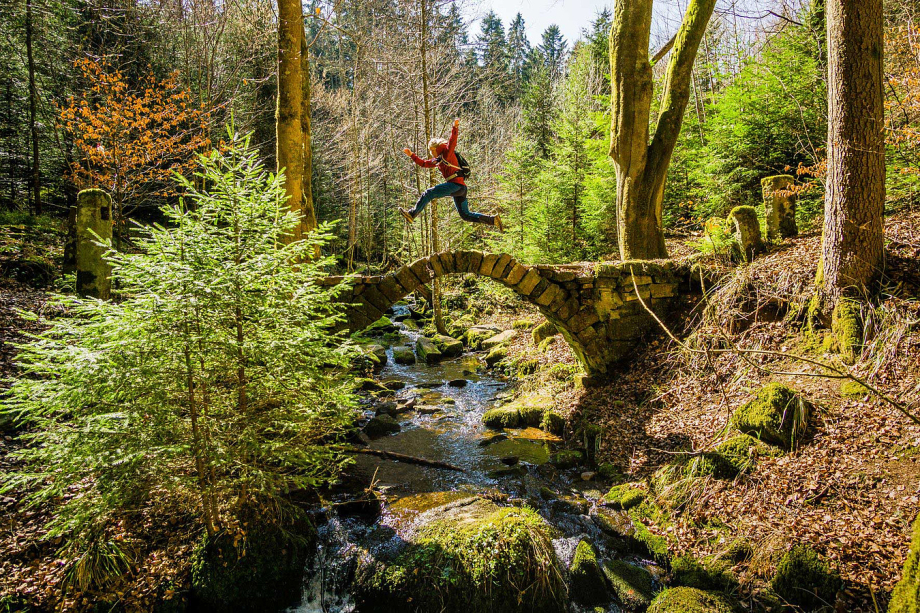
pixel 838 373
pixel 397 457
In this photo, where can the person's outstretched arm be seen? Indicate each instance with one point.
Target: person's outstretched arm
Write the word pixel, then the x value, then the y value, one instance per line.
pixel 431 163
pixel 454 132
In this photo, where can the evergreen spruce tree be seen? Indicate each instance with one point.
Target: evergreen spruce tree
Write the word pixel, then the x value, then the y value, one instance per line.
pixel 518 51
pixel 553 49
pixel 212 385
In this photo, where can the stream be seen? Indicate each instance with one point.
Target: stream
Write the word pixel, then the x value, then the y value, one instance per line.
pixel 446 426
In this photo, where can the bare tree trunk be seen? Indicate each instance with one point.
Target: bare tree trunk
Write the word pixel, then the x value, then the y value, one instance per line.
pixel 33 126
pixel 308 212
pixel 853 249
pixel 290 94
pixel 435 247
pixel 642 167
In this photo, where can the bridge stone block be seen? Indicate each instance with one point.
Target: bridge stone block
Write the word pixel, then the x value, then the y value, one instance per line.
pixel 551 293
pixel 585 317
pixel 374 296
pixel 447 262
pixel 516 274
pixel 558 301
pixel 569 308
pixel 528 283
pixel 422 270
pixel 371 312
pixel 407 279
pixel 475 260
pixel 488 263
pixel 462 261
pixel 390 288
pixel 498 272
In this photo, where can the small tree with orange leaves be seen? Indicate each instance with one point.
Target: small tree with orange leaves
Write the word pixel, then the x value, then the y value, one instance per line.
pixel 130 140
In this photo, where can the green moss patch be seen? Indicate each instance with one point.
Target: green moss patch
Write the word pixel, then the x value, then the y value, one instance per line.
pixel 708 574
pixel 846 324
pixel 853 389
pixel 805 579
pixel 475 558
pixel 544 331
pixel 777 415
pixel 587 584
pixel 625 496
pixel 496 355
pixel 906 595
pixel 739 454
pixel 566 459
pixel 522 324
pixel 644 515
pixel 689 600
pixel 632 584
pixel 502 417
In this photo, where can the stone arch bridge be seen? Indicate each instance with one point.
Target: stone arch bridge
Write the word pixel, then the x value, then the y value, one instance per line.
pixel 594 305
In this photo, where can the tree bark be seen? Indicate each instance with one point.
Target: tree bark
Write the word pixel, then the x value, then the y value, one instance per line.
pixel 642 167
pixel 33 126
pixel 853 248
pixel 290 94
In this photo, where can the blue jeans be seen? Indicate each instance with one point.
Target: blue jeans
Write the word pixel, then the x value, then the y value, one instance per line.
pixel 458 193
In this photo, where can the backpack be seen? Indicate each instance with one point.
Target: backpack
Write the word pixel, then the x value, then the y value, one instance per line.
pixel 464 166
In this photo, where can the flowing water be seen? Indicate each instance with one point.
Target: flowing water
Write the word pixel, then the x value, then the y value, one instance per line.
pixel 445 426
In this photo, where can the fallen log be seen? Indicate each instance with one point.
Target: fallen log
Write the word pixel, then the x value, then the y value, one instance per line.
pixel 398 457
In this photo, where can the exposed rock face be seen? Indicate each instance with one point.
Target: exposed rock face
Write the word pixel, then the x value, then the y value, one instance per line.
pixel 780 206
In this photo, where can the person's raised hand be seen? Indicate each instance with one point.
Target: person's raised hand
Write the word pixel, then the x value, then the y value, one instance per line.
pixel 456 122
pixel 407 152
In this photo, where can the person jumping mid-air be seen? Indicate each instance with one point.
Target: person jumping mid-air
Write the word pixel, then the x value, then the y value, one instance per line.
pixel 445 158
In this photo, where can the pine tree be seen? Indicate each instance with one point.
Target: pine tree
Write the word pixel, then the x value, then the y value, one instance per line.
pixel 518 51
pixel 493 49
pixel 553 49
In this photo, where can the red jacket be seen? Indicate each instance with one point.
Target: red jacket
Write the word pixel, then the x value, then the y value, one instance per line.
pixel 446 161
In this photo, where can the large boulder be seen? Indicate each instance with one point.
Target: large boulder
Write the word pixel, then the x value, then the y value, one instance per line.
pixel 544 331
pixel 381 425
pixel 496 355
pixel 263 571
pixel 380 327
pixel 747 231
pixel 777 415
pixel 474 336
pixel 527 410
pixel 427 351
pixel 471 555
pixel 499 339
pixel 806 579
pixel 403 355
pixel 690 600
pixel 632 584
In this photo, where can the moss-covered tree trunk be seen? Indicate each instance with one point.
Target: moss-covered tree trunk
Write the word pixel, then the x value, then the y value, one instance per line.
pixel 852 248
pixel 290 95
pixel 641 166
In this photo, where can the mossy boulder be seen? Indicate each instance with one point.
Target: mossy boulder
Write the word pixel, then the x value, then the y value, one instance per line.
pixel 739 455
pixel 381 425
pixel 475 335
pixel 906 595
pixel 263 571
pixel 708 574
pixel 522 324
pixel 448 346
pixel 545 344
pixel 689 600
pixel 632 584
pixel 777 415
pixel 403 355
pixel 586 580
pixel 471 556
pixel 427 350
pixel 496 355
pixel 377 354
pixel 806 579
pixel 458 327
pixel 502 417
pixel 544 331
pixel 649 514
pixel 567 458
pixel 610 472
pixel 625 496
pixel 380 327
pixel 553 423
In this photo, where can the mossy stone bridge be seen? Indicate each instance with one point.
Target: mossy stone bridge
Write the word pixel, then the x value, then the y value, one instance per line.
pixel 594 305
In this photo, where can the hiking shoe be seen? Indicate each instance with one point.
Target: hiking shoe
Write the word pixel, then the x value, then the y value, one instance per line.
pixel 407 215
pixel 498 224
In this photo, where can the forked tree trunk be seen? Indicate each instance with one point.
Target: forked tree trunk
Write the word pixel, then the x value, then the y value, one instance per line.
pixel 290 94
pixel 641 166
pixel 853 248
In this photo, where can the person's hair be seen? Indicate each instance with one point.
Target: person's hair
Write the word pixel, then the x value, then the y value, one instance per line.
pixel 436 143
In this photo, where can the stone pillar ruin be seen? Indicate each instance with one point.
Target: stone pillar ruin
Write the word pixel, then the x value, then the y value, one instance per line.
pixel 780 207
pixel 747 231
pixel 93 224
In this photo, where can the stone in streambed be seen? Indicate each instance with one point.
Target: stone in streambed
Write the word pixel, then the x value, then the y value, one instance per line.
pixel 427 351
pixel 381 425
pixel 588 586
pixel 448 346
pixel 632 584
pixel 475 335
pixel 457 383
pixel 496 355
pixel 403 355
pixel 690 600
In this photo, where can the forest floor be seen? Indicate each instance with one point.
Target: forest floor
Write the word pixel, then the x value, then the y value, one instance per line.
pixel 851 490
